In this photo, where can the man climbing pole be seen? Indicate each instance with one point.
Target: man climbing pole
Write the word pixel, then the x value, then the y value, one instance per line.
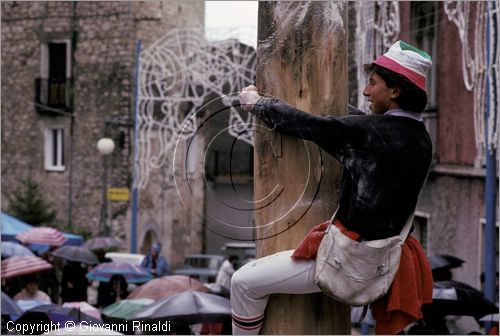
pixel 386 156
pixel 302 59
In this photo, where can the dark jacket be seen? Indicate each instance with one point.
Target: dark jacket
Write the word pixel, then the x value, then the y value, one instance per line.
pixel 74 274
pixel 386 160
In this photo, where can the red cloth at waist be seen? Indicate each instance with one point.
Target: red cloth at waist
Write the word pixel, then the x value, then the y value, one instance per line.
pixel 411 288
pixel 309 246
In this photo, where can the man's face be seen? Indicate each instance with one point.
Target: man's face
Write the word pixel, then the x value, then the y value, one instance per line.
pixel 379 95
pixel 32 287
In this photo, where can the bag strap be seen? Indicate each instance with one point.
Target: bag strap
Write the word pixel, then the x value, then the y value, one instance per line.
pixel 406 229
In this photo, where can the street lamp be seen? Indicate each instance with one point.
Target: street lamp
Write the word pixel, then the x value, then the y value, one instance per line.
pixel 105 146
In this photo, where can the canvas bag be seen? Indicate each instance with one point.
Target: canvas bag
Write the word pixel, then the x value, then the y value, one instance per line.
pixel 357 273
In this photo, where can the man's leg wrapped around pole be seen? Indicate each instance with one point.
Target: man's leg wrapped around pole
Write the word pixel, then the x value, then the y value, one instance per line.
pixel 252 284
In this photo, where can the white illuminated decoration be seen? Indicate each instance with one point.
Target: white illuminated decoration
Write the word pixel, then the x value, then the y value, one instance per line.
pixel 474 64
pixel 377 29
pixel 178 74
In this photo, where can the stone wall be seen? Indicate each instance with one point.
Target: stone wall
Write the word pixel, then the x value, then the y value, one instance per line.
pixel 103 37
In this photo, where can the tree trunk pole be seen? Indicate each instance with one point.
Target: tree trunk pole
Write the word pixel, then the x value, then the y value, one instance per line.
pixel 302 59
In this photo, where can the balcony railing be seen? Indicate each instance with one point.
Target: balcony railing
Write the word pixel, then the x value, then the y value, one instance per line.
pixel 53 93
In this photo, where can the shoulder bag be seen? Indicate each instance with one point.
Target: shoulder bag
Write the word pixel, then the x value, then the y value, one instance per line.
pixel 357 273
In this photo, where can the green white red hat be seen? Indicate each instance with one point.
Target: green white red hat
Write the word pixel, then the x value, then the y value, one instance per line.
pixel 407 61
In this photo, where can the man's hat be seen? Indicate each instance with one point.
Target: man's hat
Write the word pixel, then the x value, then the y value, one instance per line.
pixel 407 61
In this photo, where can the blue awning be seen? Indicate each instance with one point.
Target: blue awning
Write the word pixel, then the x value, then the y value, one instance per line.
pixel 12 226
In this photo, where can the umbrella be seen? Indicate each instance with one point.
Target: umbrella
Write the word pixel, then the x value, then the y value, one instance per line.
pixel 9 306
pixel 54 313
pixel 132 273
pixel 443 261
pixel 10 249
pixel 15 266
pixel 457 298
pixel 187 308
pixel 42 235
pixel 76 253
pixel 28 304
pixel 489 318
pixel 102 243
pixel 73 239
pixel 218 289
pixel 83 329
pixel 167 285
pixel 85 308
pixel 11 227
pixel 125 308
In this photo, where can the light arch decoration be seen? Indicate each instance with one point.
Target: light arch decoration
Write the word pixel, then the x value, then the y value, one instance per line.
pixel 478 65
pixel 377 28
pixel 177 74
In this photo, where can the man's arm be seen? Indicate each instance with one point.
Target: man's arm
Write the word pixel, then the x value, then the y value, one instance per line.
pixel 338 135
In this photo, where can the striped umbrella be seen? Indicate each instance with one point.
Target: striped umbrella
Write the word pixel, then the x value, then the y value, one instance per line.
pixel 42 235
pixel 19 265
pixel 132 273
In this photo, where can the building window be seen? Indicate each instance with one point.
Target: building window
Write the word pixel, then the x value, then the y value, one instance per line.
pixel 423 32
pixel 53 88
pixel 54 149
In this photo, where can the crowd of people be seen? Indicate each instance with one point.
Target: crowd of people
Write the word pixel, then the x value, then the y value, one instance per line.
pixel 67 281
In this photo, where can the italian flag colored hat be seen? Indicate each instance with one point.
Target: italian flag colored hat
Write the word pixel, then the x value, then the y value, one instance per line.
pixel 407 61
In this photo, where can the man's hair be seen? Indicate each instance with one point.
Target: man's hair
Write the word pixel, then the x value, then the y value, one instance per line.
pixel 411 98
pixel 119 278
pixel 29 278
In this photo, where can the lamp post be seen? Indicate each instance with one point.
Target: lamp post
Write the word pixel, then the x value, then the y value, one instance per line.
pixel 105 146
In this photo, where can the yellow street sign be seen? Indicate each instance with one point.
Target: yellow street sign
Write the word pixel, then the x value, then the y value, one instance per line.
pixel 118 194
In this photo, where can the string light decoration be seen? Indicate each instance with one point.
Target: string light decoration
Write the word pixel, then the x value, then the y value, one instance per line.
pixel 178 74
pixel 377 28
pixel 474 65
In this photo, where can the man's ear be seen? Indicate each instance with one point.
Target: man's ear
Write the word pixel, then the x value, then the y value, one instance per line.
pixel 395 92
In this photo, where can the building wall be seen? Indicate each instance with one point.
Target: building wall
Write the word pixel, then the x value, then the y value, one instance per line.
pixel 455 102
pixel 101 72
pixel 453 198
pixel 104 36
pixel 455 205
pixel 177 223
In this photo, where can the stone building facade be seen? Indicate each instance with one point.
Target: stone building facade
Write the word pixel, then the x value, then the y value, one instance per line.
pixel 450 216
pixel 451 213
pixel 68 80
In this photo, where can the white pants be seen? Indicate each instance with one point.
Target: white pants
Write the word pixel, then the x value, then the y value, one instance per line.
pixel 252 284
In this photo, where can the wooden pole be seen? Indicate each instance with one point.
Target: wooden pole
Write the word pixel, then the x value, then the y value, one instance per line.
pixel 302 59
